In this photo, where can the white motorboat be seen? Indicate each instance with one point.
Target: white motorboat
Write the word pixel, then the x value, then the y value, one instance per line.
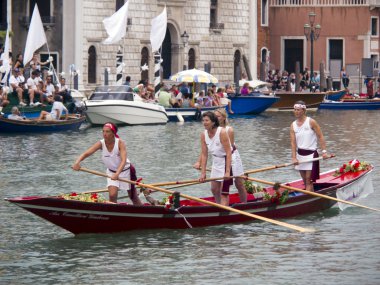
pixel 119 105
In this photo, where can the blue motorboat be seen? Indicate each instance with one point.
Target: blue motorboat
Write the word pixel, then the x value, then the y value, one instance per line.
pixel 335 95
pixel 251 104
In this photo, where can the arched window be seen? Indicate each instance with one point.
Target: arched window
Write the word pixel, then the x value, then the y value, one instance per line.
pixel 264 53
pixel 43 8
pixel 119 4
pixel 191 57
pixel 237 66
pixel 144 61
pixel 92 65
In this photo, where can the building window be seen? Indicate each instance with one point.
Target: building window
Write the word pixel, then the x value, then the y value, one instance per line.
pixel 264 12
pixel 214 13
pixel 119 4
pixel 43 6
pixel 144 62
pixel 92 65
pixel 264 53
pixel 374 26
pixel 191 57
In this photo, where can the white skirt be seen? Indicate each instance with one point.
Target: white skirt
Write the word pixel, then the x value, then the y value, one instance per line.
pixel 304 166
pixel 237 165
pixel 120 184
pixel 218 167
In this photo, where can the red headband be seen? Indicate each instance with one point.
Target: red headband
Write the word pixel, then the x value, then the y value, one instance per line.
pixel 113 129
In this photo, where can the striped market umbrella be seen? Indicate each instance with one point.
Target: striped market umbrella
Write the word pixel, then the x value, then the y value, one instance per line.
pixel 194 75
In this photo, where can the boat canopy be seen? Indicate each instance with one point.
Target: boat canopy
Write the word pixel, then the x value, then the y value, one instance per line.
pixel 122 92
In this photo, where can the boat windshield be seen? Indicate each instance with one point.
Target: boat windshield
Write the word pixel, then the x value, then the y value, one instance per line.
pixel 121 92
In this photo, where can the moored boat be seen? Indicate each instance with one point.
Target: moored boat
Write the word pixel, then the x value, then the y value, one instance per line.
pixel 73 123
pixel 81 217
pixel 335 95
pixel 351 104
pixel 287 100
pixel 188 114
pixel 119 105
pixel 251 104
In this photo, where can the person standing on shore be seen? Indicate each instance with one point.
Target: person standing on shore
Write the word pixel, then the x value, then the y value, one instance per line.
pixel 304 136
pixel 114 156
pixel 214 139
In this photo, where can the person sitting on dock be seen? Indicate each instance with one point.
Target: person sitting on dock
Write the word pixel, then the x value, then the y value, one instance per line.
pixel 17 83
pixel 114 157
pixel 3 96
pixel 56 110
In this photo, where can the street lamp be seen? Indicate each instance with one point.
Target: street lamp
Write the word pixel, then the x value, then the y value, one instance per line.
pixel 312 32
pixel 185 40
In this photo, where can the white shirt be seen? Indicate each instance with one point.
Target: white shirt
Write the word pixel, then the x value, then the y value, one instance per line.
pixel 306 137
pixel 49 89
pixel 31 83
pixel 57 106
pixel 112 159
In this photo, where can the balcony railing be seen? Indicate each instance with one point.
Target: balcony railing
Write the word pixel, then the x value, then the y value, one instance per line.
pixel 336 3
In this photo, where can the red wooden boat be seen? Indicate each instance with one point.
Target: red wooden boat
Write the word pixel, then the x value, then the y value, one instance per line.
pixel 92 217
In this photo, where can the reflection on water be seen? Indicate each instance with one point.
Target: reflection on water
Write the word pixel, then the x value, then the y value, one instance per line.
pixel 343 250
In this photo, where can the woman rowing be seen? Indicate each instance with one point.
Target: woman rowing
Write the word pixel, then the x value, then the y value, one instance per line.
pixel 114 156
pixel 236 163
pixel 304 136
pixel 215 140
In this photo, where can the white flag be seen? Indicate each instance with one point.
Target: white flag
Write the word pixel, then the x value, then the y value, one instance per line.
pixel 158 31
pixel 36 36
pixel 116 25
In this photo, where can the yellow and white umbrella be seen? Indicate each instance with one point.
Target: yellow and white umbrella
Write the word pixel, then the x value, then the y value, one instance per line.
pixel 194 75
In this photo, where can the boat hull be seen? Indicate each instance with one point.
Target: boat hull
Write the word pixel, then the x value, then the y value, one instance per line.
pixel 351 105
pixel 287 100
pixel 87 217
pixel 187 114
pixel 246 105
pixel 121 112
pixel 27 126
pixel 335 95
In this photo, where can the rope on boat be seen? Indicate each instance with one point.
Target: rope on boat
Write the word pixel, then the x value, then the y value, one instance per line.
pixel 187 222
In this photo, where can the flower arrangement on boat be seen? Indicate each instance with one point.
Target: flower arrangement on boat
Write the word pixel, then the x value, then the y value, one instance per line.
pixel 84 197
pixel 168 202
pixel 277 197
pixel 352 166
pixel 252 188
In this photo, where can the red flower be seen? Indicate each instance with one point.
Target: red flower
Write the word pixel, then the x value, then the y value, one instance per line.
pixel 73 194
pixel 94 195
pixel 344 166
pixel 168 206
pixel 341 170
pixel 357 164
pixel 171 199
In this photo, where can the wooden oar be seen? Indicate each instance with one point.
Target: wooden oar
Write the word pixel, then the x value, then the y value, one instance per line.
pixel 310 193
pixel 285 165
pixel 180 184
pixel 283 224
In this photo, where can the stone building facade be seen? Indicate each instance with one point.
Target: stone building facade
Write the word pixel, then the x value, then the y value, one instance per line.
pixel 219 33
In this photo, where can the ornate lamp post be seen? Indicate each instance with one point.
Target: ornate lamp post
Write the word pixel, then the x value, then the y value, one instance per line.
pixel 312 32
pixel 185 40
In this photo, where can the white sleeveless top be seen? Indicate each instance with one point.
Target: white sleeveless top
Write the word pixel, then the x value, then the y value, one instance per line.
pixel 112 159
pixel 214 145
pixel 306 137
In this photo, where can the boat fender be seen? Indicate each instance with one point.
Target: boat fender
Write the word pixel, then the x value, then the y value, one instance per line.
pixel 176 198
pixel 179 117
pixel 198 115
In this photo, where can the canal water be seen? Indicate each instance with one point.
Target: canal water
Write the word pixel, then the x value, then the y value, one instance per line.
pixel 345 249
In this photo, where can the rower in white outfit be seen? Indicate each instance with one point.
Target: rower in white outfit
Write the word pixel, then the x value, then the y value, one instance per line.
pixel 215 140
